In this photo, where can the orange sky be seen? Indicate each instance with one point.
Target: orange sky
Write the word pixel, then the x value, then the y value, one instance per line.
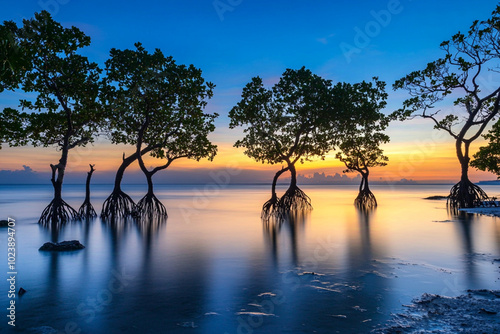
pixel 429 159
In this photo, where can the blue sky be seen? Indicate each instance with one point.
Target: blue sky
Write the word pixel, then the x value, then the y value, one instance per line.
pixel 234 40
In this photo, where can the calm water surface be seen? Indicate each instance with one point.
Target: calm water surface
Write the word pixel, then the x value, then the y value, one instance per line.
pixel 214 267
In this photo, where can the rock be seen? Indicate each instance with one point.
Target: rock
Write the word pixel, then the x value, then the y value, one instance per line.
pixel 436 197
pixel 476 312
pixel 485 311
pixel 63 246
pixel 4 223
pixel 21 292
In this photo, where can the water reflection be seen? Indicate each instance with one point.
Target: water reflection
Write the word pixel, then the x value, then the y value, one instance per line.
pixel 360 247
pixel 368 277
pixel 223 260
pixel 293 226
pixel 465 225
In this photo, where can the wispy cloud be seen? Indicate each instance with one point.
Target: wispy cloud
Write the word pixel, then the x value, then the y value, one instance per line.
pixel 325 40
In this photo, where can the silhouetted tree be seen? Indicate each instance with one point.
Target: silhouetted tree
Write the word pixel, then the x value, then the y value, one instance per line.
pixel 285 124
pixel 86 209
pixel 460 73
pixel 362 129
pixel 488 157
pixel 359 153
pixel 64 111
pixel 157 106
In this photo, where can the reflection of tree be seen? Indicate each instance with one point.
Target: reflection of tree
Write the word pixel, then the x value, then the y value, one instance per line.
pixel 294 223
pixel 150 229
pixel 497 235
pixel 363 272
pixel 464 222
pixel 361 248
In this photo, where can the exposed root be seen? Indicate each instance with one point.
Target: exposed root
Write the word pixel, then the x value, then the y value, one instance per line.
pixel 269 209
pixel 150 208
pixel 57 213
pixel 117 206
pixel 466 194
pixel 366 200
pixel 294 200
pixel 87 210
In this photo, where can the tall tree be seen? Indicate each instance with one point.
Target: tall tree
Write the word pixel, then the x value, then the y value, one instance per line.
pixel 64 111
pixel 459 75
pixel 363 125
pixel 285 124
pixel 157 106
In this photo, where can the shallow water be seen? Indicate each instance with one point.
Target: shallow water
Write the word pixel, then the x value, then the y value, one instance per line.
pixel 214 267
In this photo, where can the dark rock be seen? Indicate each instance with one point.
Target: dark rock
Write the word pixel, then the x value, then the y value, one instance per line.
pixel 4 223
pixel 21 292
pixel 436 197
pixel 62 246
pixel 485 311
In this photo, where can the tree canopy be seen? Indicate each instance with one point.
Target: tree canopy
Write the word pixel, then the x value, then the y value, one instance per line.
pixel 287 122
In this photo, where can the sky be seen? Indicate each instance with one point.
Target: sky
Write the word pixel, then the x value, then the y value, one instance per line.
pixel 235 40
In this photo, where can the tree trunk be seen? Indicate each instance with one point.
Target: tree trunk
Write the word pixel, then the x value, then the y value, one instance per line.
pixel 149 178
pixel 87 183
pixel 119 205
pixel 121 171
pixel 365 199
pixel 275 181
pixel 465 194
pixel 86 209
pixel 294 201
pixel 268 209
pixel 149 208
pixel 293 173
pixel 60 168
pixel 58 211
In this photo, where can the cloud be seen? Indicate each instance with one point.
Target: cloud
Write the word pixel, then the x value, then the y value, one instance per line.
pixel 23 176
pixel 325 40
